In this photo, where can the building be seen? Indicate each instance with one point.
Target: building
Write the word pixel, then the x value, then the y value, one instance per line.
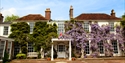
pixel 5 43
pixel 61 45
pixel 64 45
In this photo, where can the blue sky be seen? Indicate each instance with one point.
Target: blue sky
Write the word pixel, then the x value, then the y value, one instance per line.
pixel 60 8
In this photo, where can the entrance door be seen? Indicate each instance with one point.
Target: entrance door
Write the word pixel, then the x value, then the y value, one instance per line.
pixel 61 51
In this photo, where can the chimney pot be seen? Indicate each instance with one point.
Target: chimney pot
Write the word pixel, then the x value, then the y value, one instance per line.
pixel 71 12
pixel 1 18
pixel 112 13
pixel 48 13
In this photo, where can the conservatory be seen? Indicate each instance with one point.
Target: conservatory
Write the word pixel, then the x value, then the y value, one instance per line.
pixel 6 44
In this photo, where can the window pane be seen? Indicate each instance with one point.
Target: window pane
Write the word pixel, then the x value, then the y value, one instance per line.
pixel 115 48
pixel 111 24
pixel 30 47
pixel 5 31
pixel 2 43
pixel 87 48
pixel 100 46
pixel 31 26
pixel 86 26
pixel 61 48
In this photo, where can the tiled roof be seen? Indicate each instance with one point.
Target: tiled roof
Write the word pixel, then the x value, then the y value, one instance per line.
pixel 96 16
pixel 32 17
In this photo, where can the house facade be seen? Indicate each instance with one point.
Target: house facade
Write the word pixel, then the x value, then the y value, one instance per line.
pixel 62 45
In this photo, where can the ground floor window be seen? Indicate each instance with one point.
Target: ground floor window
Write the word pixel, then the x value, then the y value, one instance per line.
pixel 87 48
pixel 16 49
pixel 100 46
pixel 61 48
pixel 2 44
pixel 30 47
pixel 115 47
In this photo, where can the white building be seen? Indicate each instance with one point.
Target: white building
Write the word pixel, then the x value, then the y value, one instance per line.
pixel 60 45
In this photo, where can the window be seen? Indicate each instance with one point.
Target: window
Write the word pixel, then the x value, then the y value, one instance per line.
pixel 5 31
pixel 87 48
pixel 61 48
pixel 60 28
pixel 100 46
pixel 115 47
pixel 86 26
pixel 111 24
pixel 31 26
pixel 2 44
pixel 30 47
pixel 9 46
pixel 16 48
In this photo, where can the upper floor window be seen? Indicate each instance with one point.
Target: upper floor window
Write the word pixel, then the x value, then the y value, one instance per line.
pixel 5 30
pixel 86 26
pixel 31 26
pixel 111 24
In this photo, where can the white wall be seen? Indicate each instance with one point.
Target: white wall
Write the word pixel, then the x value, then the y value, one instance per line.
pixel 2 29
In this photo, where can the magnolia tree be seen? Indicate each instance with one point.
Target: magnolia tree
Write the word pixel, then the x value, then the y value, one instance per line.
pixel 80 37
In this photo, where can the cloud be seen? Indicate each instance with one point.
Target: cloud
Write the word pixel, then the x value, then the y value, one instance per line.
pixel 9 12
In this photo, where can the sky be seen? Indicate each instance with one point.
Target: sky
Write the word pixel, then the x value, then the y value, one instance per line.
pixel 60 8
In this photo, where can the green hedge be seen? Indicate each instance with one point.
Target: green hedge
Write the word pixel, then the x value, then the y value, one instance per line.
pixel 21 56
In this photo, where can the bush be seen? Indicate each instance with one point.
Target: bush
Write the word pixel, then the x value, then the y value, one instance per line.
pixel 21 56
pixel 6 57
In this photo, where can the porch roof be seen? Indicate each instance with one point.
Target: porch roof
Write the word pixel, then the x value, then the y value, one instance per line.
pixel 57 39
pixel 6 38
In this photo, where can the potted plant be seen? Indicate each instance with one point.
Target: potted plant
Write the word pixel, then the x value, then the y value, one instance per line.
pixel 48 56
pixel 73 56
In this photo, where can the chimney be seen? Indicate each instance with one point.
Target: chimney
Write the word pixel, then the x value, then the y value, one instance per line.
pixel 1 18
pixel 48 13
pixel 71 12
pixel 112 13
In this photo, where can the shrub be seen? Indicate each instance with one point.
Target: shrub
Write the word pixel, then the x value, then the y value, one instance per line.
pixel 21 56
pixel 6 57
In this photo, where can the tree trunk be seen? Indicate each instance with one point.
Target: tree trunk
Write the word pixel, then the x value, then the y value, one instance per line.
pixel 42 53
pixel 82 51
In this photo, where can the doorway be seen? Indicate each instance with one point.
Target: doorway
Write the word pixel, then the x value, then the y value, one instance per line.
pixel 61 51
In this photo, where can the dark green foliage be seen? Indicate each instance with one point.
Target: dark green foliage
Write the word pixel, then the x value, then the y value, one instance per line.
pixel 20 33
pixel 21 56
pixel 6 57
pixel 43 33
pixel 123 25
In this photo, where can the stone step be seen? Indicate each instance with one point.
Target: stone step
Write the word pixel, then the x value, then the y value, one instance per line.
pixel 61 62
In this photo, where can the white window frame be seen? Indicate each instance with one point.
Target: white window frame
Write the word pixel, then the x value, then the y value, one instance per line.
pixel 86 26
pixel 30 47
pixel 101 48
pixel 115 47
pixel 111 24
pixel 63 50
pixel 31 24
pixel 87 48
pixel 5 30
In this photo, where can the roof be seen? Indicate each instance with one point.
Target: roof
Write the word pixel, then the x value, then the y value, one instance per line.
pixel 6 38
pixel 6 23
pixel 96 16
pixel 32 17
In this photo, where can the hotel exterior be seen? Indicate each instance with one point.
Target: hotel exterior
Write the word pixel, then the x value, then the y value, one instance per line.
pixel 61 45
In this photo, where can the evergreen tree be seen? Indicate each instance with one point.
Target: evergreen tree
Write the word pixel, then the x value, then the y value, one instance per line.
pixel 20 33
pixel 43 33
